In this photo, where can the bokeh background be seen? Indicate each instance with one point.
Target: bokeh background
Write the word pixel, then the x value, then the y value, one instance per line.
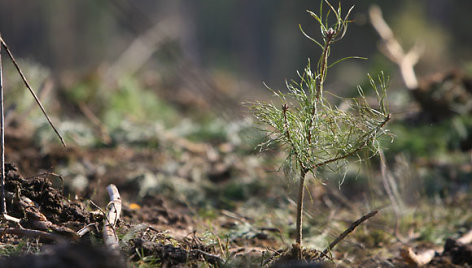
pixel 111 72
pixel 149 96
pixel 229 45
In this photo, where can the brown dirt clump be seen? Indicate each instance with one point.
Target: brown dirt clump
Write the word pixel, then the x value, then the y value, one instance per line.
pixel 31 199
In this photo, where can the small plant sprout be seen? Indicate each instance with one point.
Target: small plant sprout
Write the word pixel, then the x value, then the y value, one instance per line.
pixel 315 132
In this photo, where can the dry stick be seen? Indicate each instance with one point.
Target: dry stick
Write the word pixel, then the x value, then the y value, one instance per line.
pixel 394 51
pixel 113 215
pixel 211 258
pixel 3 204
pixel 426 256
pixel 31 90
pixel 349 230
pixel 87 229
pixel 466 238
pixel 30 233
pixel 417 260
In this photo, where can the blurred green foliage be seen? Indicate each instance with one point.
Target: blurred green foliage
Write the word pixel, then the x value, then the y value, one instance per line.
pixel 132 102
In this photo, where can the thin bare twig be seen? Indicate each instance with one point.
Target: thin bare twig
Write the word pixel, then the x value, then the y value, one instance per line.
pixel 211 258
pixel 98 207
pixel 3 204
pixel 86 229
pixel 10 218
pixel 31 233
pixel 351 228
pixel 31 89
pixel 113 215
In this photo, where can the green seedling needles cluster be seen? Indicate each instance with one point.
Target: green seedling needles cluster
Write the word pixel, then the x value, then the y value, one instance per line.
pixel 315 132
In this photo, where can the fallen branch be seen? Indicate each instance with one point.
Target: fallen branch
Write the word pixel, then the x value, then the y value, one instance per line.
pixel 417 260
pixel 349 230
pixel 113 215
pixel 466 238
pixel 30 233
pixel 394 51
pixel 10 218
pixel 210 258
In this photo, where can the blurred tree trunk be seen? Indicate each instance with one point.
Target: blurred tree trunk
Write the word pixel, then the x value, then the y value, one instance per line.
pixel 248 34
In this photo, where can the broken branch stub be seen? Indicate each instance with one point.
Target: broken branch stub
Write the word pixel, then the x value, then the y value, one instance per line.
pixel 113 215
pixel 392 49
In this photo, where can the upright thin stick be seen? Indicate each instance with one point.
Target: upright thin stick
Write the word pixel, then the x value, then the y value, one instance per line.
pixel 3 207
pixel 31 89
pixel 113 215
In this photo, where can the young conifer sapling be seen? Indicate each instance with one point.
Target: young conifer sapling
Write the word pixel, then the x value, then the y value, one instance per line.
pixel 315 132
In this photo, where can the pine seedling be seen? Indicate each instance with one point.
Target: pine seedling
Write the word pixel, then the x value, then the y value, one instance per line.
pixel 315 132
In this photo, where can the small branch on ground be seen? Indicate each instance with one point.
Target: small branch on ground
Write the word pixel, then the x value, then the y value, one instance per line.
pixel 10 218
pixel 211 258
pixel 419 259
pixel 30 233
pixel 351 228
pixel 466 238
pixel 113 215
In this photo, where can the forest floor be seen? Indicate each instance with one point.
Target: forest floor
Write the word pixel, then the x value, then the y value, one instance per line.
pixel 197 204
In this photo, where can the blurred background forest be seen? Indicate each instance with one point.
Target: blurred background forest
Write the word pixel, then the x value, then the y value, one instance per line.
pixel 149 61
pixel 232 45
pixel 166 79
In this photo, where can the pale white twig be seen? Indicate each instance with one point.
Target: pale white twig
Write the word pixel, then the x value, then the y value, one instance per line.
pixel 394 51
pixel 113 215
pixel 86 229
pixel 466 238
pixel 415 259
